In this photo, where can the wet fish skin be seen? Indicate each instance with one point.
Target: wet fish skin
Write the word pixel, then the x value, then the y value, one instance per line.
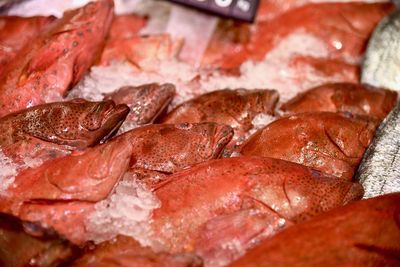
pixel 379 171
pixel 46 69
pixel 77 123
pixel 380 67
pixel 146 101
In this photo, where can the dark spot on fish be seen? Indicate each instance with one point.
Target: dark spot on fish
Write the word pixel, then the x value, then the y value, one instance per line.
pixel 65 51
pixel 75 43
pixel 80 34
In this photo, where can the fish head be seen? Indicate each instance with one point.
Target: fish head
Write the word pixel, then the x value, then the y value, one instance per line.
pixel 80 123
pixel 172 147
pixel 260 100
pixel 208 139
pixel 146 102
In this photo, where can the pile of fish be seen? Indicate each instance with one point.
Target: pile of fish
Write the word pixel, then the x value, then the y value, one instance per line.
pixel 132 180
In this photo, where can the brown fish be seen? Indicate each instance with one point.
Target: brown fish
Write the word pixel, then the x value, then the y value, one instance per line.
pixel 146 102
pixel 344 97
pixel 126 252
pixel 44 131
pixel 221 207
pixel 236 108
pixel 55 61
pixel 17 32
pixel 332 143
pixel 168 148
pixel 28 244
pixel 364 233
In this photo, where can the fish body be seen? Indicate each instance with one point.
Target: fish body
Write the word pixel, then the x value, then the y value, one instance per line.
pixel 168 148
pixel 51 130
pixel 11 39
pixel 329 142
pixel 236 108
pixel 56 60
pixel 350 98
pixel 225 205
pixel 364 233
pixel 126 252
pixel 379 171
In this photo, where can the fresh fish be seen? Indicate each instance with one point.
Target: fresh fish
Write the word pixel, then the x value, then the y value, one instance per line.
pixel 379 171
pixel 28 244
pixel 332 143
pixel 55 61
pixel 381 67
pixel 17 32
pixel 146 102
pixel 236 108
pixel 126 252
pixel 49 130
pixel 364 233
pixel 222 207
pixel 351 98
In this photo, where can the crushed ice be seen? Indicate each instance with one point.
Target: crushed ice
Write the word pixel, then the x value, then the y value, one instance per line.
pixel 127 211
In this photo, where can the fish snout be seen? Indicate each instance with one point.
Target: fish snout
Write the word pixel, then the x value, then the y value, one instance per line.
pixel 223 135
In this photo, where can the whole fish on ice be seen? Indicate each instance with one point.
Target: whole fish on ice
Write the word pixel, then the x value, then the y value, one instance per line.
pixel 379 171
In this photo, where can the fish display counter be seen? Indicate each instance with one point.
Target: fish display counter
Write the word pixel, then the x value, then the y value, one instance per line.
pixel 199 133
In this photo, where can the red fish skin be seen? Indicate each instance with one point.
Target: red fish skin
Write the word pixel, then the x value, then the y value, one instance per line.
pixel 332 143
pixel 168 148
pixel 236 108
pixel 151 149
pixel 52 130
pixel 11 39
pixel 347 23
pixel 274 188
pixel 364 233
pixel 126 252
pixel 126 26
pixel 146 101
pixel 143 52
pixel 45 70
pixel 356 99
pixel 85 176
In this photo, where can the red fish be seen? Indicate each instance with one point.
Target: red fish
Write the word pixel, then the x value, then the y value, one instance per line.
pixel 88 176
pixel 146 102
pixel 237 201
pixel 329 142
pixel 143 52
pixel 44 131
pixel 365 233
pixel 126 26
pixel 236 108
pixel 11 39
pixel 57 59
pixel 126 252
pixel 344 97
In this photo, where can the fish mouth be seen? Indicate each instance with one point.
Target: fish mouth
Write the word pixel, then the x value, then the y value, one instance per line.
pixel 223 135
pixel 167 92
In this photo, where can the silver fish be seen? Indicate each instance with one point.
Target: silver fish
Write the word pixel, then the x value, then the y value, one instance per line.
pixel 379 171
pixel 381 65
